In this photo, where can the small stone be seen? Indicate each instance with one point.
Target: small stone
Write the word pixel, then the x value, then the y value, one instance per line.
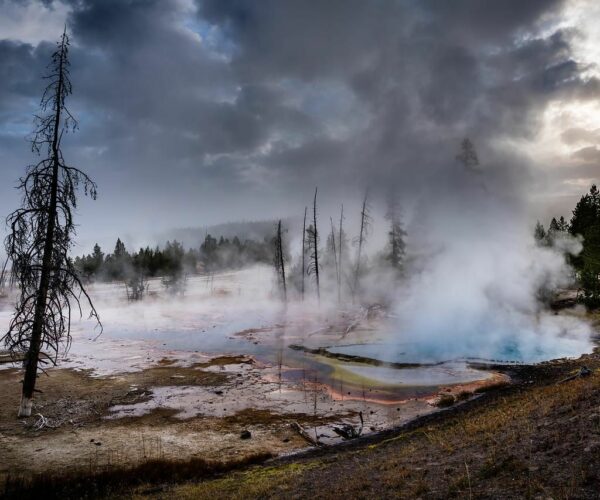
pixel 245 434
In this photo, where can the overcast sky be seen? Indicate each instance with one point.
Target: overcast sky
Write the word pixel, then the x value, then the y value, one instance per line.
pixel 198 112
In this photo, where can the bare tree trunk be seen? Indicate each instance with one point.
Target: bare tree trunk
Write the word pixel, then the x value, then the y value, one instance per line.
pixel 333 247
pixel 364 222
pixel 316 246
pixel 3 279
pixel 340 244
pixel 32 356
pixel 280 263
pixel 304 251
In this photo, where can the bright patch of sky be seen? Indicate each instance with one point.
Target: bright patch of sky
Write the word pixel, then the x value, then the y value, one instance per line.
pixel 31 21
pixel 330 102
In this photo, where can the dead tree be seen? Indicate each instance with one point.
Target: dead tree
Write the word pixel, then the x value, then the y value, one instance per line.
pixel 313 245
pixel 333 249
pixel 304 250
pixel 365 226
pixel 396 235
pixel 3 280
pixel 341 242
pixel 41 234
pixel 279 261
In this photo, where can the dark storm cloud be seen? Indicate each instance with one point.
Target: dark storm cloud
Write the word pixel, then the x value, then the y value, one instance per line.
pixel 172 94
pixel 490 22
pixel 426 72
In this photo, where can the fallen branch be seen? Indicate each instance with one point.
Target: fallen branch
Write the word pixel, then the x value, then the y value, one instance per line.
pixel 42 422
pixel 348 431
pixel 305 435
pixel 584 371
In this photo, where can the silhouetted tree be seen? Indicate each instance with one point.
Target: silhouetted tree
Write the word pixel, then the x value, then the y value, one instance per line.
pixel 118 264
pixel 342 243
pixel 3 279
pixel 279 261
pixel 585 223
pixel 556 230
pixel 312 234
pixel 396 235
pixel 174 278
pixel 585 214
pixel 468 155
pixel 136 285
pixel 332 250
pixel 304 250
pixel 41 235
pixel 563 225
pixel 539 233
pixel 365 225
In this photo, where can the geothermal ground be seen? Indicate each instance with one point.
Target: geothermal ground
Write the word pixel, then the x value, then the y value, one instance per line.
pixel 225 375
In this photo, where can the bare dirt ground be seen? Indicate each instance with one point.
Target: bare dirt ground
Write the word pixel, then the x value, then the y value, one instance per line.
pixel 539 438
pixel 76 432
pixel 86 424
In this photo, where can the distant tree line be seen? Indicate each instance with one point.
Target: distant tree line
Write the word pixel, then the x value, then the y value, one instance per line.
pixel 172 261
pixel 585 225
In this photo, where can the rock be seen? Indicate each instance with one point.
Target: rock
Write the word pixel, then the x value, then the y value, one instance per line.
pixel 594 418
pixel 245 434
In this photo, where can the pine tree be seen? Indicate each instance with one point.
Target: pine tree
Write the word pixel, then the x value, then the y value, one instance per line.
pixel 331 255
pixel 586 212
pixel 539 233
pixel 396 235
pixel 563 224
pixel 468 156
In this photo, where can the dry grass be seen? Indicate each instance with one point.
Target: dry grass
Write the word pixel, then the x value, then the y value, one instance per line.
pixel 109 481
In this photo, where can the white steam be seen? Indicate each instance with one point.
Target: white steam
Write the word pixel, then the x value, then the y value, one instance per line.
pixel 475 292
